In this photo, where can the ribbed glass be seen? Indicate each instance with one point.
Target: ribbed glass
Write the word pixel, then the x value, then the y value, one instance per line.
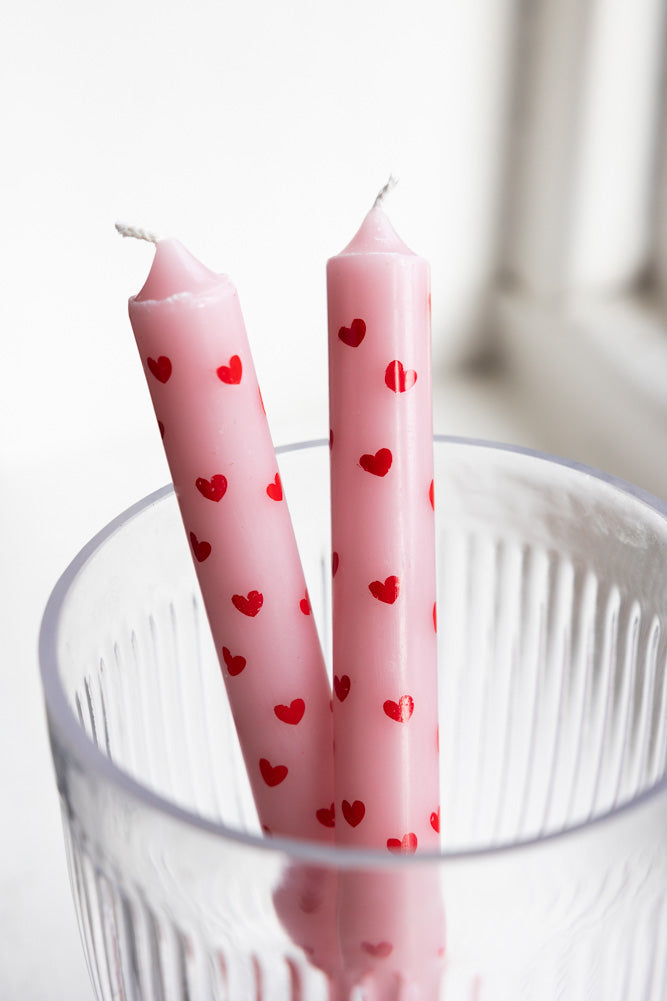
pixel 552 632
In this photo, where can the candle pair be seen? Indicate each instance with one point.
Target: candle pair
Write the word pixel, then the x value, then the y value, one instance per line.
pixel 380 789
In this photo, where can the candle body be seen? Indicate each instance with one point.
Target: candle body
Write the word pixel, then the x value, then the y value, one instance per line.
pixel 384 628
pixel 192 341
pixel 391 924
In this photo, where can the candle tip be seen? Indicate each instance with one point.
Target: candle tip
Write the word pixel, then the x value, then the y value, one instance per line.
pixel 389 186
pixel 175 270
pixel 136 233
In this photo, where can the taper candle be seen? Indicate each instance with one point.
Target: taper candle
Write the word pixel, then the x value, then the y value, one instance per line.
pixel 384 622
pixel 391 924
pixel 192 341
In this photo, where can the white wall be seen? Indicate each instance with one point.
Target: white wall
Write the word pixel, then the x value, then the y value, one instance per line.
pixel 258 133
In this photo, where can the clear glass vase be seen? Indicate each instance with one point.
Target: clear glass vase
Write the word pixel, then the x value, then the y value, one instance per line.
pixel 552 876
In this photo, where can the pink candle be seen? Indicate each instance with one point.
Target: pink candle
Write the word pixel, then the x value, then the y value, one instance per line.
pixel 384 629
pixel 191 337
pixel 391 925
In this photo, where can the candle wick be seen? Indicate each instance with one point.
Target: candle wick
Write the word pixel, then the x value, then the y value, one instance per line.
pixel 389 186
pixel 136 233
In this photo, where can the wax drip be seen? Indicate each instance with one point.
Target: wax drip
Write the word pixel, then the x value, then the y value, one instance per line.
pixel 389 186
pixel 136 233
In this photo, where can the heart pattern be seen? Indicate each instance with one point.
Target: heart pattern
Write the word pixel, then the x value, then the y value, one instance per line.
pixel 400 711
pixel 201 550
pixel 275 489
pixel 398 378
pixel 342 686
pixel 234 664
pixel 293 713
pixel 407 845
pixel 249 604
pixel 378 464
pixel 354 334
pixel 160 368
pixel 386 590
pixel 213 489
pixel 327 816
pixel 189 397
pixel 379 950
pixel 232 373
pixel 273 775
pixel 353 812
pixel 379 389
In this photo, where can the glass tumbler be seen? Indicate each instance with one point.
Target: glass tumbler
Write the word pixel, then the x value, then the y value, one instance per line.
pixel 552 660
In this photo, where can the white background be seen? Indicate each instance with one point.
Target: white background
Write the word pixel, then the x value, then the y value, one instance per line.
pixel 258 133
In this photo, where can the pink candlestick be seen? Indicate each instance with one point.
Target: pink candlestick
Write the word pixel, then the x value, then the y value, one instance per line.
pixel 384 629
pixel 391 926
pixel 192 341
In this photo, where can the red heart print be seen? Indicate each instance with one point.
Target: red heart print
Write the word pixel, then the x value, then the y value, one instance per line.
pixel 342 686
pixel 161 428
pixel 310 899
pixel 213 489
pixel 293 713
pixel 327 816
pixel 202 550
pixel 402 710
pixel 399 379
pixel 378 464
pixel 160 367
pixel 334 564
pixel 354 334
pixel 273 775
pixel 431 495
pixel 231 374
pixel 275 489
pixel 235 664
pixel 353 812
pixel 406 846
pixel 380 950
pixel 304 604
pixel 249 604
pixel 386 591
pixel 435 617
pixel 435 820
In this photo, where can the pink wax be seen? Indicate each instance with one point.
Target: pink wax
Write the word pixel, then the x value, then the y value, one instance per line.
pixel 192 341
pixel 390 924
pixel 384 639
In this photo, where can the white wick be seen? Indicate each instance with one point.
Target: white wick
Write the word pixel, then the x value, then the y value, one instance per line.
pixel 389 186
pixel 136 233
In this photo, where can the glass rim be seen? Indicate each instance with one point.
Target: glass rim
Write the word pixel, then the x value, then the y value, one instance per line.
pixel 63 721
